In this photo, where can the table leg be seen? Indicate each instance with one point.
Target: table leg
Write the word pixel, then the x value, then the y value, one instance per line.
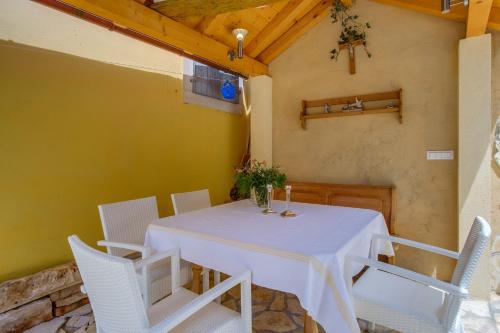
pixel 195 284
pixel 310 326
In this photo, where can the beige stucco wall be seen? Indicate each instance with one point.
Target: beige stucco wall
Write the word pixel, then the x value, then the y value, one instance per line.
pixel 474 146
pixel 411 51
pixel 495 170
pixel 261 117
pixel 495 102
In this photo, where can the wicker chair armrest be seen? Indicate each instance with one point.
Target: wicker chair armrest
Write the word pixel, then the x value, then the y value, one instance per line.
pixel 144 250
pixel 139 264
pixel 418 245
pixel 198 303
pixel 410 275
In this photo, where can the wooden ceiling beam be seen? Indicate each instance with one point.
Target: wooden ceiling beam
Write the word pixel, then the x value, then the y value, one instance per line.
pixel 430 7
pixel 205 23
pixel 494 21
pixel 178 9
pixel 130 15
pixel 477 17
pixel 309 20
pixel 457 13
pixel 145 2
pixel 283 21
pixel 211 26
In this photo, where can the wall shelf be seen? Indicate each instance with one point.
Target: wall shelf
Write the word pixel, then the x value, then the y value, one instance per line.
pixel 386 102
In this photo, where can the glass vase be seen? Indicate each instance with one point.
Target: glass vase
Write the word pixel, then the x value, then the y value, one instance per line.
pixel 258 195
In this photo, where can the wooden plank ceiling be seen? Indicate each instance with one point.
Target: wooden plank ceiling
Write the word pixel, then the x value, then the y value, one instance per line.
pixel 266 21
pixel 203 28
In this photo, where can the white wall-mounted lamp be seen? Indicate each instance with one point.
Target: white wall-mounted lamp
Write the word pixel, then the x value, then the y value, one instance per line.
pixel 240 36
pixel 447 4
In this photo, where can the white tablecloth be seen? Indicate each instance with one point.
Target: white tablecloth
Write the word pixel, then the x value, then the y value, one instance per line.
pixel 303 255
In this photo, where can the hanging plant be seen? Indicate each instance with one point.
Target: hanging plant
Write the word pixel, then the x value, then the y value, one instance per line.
pixel 353 32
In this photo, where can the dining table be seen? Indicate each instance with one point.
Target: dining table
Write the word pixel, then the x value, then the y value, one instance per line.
pixel 303 255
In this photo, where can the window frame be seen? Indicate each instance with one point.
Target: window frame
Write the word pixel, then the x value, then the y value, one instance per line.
pixel 189 97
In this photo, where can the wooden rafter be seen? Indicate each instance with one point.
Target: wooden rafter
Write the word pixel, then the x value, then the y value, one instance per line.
pixel 129 14
pixel 309 20
pixel 283 21
pixel 179 9
pixel 430 7
pixel 433 7
pixel 210 26
pixel 477 17
pixel 205 23
pixel 494 21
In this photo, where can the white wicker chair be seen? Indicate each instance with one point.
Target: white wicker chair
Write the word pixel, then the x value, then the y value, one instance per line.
pixel 190 201
pixel 411 302
pixel 113 288
pixel 124 225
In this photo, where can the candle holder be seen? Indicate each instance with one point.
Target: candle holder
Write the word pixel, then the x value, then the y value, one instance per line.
pixel 269 210
pixel 287 212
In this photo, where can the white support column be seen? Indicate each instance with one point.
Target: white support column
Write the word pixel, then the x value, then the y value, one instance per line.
pixel 474 145
pixel 261 118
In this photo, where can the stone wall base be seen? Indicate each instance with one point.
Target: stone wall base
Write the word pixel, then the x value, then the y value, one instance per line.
pixel 51 297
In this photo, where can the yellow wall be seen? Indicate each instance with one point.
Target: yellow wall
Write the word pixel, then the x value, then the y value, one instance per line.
pixel 75 133
pixel 411 51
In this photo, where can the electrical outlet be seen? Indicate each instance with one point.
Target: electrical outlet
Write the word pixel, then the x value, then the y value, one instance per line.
pixel 433 155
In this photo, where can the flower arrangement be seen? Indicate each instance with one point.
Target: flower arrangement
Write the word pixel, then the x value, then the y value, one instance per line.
pixel 253 178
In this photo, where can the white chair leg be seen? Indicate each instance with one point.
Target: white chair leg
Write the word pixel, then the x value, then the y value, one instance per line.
pixel 216 282
pixel 246 305
pixel 146 286
pixel 206 279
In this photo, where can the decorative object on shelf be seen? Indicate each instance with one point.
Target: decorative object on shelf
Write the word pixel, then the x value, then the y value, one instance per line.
pixel 327 108
pixel 353 32
pixel 287 212
pixel 385 102
pixel 269 209
pixel 251 181
pixel 240 34
pixel 228 90
pixel 356 106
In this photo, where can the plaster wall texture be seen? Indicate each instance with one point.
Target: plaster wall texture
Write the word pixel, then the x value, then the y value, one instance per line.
pixel 412 51
pixel 75 133
pixel 474 166
pixel 34 24
pixel 495 114
pixel 261 117
pixel 495 169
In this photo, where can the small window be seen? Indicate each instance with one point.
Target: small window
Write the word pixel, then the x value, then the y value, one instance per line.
pixel 208 81
pixel 211 87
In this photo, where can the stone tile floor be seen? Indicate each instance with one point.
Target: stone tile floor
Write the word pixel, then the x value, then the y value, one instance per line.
pixel 481 317
pixel 278 312
pixel 274 311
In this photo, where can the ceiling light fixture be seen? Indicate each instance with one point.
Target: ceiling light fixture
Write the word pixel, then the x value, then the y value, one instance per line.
pixel 240 36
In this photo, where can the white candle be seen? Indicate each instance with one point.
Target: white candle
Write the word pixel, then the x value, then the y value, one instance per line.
pixel 269 194
pixel 288 189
